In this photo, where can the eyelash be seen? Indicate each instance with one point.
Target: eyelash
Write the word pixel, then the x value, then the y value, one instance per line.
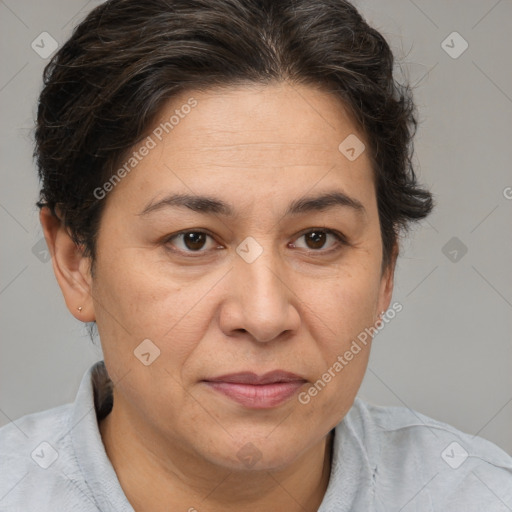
pixel 341 241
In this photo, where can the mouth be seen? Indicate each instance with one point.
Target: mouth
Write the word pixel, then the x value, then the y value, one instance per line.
pixel 257 391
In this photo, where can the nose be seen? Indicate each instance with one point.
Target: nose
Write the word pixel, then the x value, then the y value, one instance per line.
pixel 260 300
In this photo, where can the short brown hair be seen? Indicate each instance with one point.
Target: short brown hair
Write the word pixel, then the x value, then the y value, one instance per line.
pixel 108 82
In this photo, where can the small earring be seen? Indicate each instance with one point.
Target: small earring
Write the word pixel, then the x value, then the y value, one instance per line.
pixel 79 308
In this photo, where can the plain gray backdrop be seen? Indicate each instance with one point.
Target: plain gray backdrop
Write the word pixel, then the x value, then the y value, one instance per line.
pixel 448 353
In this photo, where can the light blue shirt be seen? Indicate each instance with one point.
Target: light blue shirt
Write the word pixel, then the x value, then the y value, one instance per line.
pixel 384 459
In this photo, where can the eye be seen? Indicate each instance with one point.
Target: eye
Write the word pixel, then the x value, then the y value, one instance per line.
pixel 315 240
pixel 191 241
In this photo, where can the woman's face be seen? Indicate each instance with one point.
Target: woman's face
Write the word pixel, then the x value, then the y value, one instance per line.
pixel 259 283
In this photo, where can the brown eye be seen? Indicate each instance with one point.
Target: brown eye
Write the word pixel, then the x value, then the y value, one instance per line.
pixel 194 240
pixel 190 242
pixel 315 239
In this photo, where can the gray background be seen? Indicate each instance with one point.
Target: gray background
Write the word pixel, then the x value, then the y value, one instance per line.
pixel 448 354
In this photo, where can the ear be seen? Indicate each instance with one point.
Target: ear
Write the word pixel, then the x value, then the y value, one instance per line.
pixel 387 282
pixel 71 267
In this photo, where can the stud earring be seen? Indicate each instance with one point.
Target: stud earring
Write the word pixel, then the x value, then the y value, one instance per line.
pixel 79 308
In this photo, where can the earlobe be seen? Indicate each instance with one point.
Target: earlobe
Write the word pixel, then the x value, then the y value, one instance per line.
pixel 71 267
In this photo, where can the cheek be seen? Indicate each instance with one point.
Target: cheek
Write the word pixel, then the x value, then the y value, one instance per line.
pixel 345 304
pixel 138 301
pixel 143 297
pixel 344 349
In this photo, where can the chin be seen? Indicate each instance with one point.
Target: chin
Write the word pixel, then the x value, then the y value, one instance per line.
pixel 258 452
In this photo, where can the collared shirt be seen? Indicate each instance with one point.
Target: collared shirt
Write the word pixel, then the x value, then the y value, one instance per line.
pixel 384 459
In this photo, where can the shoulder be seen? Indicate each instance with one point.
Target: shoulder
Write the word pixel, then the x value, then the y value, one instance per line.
pixel 20 438
pixel 36 461
pixel 38 457
pixel 417 459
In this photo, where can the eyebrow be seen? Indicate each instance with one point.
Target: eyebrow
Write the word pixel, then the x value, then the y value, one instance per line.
pixel 212 205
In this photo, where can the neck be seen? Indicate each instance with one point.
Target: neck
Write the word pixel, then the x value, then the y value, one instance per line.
pixel 160 476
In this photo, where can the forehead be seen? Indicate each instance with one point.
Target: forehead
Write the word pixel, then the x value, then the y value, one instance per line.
pixel 238 140
pixel 289 121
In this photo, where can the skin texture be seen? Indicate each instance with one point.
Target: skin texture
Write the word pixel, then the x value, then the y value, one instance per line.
pixel 172 440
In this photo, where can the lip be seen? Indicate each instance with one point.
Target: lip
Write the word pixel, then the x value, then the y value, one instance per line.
pixel 257 391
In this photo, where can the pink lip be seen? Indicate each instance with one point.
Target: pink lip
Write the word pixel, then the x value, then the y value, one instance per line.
pixel 257 391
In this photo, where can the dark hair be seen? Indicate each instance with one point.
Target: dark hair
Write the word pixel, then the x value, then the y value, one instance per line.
pixel 108 82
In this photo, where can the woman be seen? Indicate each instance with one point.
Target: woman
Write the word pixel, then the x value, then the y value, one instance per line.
pixel 223 188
